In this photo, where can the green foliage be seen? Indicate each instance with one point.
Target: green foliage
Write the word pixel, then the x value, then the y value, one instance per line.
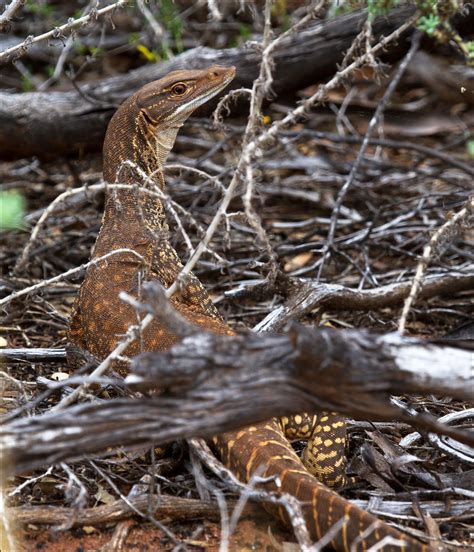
pixel 429 23
pixel 245 31
pixel 470 51
pixel 133 38
pixel 95 51
pixel 12 209
pixel 80 48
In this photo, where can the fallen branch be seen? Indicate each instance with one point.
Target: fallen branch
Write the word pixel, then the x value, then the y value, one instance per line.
pixel 212 384
pixel 167 506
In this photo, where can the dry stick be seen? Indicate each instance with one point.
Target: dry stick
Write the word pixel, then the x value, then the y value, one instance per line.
pixel 59 68
pixel 248 152
pixel 168 506
pixel 260 87
pixel 158 31
pixel 360 156
pixel 447 230
pixel 56 32
pixel 65 275
pixel 10 11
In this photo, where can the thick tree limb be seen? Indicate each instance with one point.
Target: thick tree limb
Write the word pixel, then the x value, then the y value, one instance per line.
pixel 61 122
pixel 211 384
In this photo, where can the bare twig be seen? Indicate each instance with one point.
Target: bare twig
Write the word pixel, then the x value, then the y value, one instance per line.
pixel 214 10
pixel 158 31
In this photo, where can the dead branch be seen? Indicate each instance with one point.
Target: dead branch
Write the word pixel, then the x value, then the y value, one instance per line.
pixel 308 296
pixel 211 384
pixel 37 123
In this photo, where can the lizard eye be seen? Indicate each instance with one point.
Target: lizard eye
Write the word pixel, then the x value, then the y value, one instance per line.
pixel 179 89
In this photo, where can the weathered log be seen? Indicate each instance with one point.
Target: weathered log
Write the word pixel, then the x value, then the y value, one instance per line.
pixel 39 123
pixel 211 384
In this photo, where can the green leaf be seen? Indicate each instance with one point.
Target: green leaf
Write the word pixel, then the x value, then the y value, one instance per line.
pixel 12 209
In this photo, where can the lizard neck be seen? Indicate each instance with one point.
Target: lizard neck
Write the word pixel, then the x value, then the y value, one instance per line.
pixel 134 153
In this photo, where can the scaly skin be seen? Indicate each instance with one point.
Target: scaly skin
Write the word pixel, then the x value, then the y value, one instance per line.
pixel 143 131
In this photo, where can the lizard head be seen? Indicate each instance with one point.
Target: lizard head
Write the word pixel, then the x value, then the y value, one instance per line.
pixel 169 101
pixel 144 127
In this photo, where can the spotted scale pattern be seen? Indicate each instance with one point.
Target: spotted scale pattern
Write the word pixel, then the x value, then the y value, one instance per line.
pixel 324 454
